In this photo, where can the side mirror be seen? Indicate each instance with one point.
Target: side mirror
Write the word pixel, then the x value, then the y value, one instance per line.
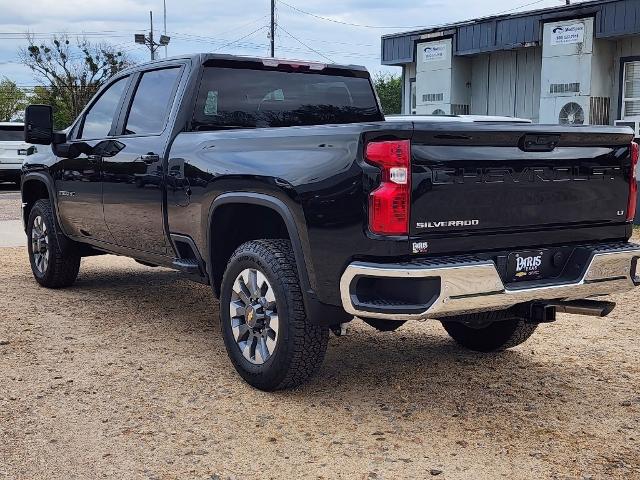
pixel 38 124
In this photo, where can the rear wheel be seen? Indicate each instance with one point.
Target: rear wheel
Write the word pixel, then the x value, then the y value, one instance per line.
pixel 268 338
pixel 383 325
pixel 483 333
pixel 51 267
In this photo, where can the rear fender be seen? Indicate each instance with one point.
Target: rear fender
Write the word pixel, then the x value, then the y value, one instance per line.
pixel 318 313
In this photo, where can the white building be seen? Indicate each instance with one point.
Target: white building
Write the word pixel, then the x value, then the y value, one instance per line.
pixel 577 64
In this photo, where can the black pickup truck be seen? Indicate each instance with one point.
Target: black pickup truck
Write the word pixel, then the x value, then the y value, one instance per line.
pixel 282 186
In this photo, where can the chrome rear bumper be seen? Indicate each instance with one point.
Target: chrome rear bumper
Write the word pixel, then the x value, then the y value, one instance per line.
pixel 472 285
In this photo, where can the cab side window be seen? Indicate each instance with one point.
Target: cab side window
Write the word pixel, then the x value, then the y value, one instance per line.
pixel 98 120
pixel 152 102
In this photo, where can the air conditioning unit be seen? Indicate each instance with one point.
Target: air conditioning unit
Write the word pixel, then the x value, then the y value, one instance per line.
pixel 571 113
pixel 576 80
pixel 443 80
pixel 635 125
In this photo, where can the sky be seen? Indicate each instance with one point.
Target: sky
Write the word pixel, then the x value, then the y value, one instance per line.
pixel 238 27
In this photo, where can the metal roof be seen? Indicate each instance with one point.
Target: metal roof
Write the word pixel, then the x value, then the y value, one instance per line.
pixel 613 18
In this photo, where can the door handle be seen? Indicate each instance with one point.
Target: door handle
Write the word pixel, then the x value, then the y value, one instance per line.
pixel 150 158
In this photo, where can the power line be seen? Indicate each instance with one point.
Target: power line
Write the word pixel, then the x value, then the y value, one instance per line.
pixel 256 46
pixel 302 43
pixel 518 8
pixel 241 38
pixel 413 27
pixel 224 32
pixel 299 10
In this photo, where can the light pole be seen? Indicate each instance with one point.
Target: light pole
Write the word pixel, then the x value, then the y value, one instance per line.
pixel 149 41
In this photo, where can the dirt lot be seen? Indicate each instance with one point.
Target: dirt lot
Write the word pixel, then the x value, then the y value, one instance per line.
pixel 9 202
pixel 125 376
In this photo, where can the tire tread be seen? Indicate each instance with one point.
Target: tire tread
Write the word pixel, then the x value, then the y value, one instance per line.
pixel 63 268
pixel 309 341
pixel 501 333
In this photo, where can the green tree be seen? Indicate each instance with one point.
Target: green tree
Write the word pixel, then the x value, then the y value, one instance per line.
pixel 62 114
pixel 389 88
pixel 12 100
pixel 70 73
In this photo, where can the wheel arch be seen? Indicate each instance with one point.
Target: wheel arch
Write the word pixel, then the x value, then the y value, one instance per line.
pixel 33 187
pixel 317 312
pixel 274 204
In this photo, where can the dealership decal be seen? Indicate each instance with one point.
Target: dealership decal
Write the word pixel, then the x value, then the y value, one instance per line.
pixel 567 34
pixel 420 247
pixel 528 266
pixel 434 53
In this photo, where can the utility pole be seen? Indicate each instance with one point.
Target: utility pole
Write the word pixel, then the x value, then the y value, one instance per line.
pixel 272 33
pixel 152 45
pixel 143 39
pixel 164 10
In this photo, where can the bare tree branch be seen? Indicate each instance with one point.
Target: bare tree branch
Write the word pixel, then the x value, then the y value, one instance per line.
pixel 72 72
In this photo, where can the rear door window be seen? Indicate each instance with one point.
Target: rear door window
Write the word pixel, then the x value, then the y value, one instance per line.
pixel 238 98
pixel 152 102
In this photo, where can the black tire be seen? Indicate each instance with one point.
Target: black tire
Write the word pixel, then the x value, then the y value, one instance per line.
pixel 492 333
pixel 383 325
pixel 61 268
pixel 299 346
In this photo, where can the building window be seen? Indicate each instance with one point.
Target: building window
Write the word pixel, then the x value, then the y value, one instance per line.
pixel 631 90
pixel 414 95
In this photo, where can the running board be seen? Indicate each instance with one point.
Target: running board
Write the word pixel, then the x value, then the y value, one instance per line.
pixel 191 268
pixel 188 260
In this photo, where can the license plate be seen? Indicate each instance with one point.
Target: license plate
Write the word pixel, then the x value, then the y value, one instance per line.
pixel 528 265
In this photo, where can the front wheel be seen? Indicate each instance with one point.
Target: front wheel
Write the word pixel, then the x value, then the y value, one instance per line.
pixel 484 335
pixel 268 338
pixel 51 267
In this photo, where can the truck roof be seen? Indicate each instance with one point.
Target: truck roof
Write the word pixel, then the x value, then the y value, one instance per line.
pixel 267 61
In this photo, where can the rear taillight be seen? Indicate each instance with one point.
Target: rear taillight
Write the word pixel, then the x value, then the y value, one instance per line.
pixel 389 203
pixel 633 184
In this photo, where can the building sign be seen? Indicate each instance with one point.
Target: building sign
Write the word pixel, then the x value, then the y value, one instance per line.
pixel 434 53
pixel 567 34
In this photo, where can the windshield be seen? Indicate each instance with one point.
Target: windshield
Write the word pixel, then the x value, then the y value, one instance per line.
pixel 11 133
pixel 233 98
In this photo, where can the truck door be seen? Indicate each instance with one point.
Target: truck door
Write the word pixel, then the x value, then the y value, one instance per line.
pixel 133 178
pixel 79 184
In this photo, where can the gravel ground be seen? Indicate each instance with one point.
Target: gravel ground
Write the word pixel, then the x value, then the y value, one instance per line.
pixel 9 203
pixel 124 375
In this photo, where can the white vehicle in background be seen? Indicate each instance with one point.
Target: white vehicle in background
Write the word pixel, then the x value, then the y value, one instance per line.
pixel 13 151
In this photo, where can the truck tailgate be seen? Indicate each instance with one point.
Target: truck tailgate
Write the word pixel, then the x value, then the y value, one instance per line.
pixel 474 178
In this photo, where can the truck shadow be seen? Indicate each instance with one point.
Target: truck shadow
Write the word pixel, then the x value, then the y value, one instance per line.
pixel 416 366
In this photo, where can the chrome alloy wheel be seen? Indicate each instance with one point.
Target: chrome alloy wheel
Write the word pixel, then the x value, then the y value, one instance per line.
pixel 254 316
pixel 40 244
